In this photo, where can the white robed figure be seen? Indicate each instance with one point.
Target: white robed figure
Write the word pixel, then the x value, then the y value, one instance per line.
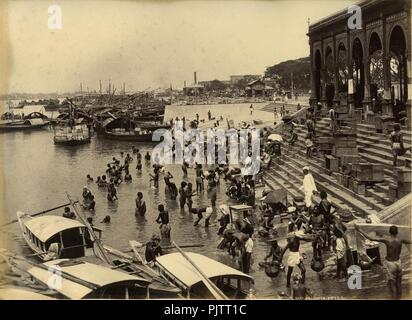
pixel 308 186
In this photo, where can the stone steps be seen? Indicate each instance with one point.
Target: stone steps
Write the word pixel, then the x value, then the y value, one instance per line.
pixel 330 185
pixel 373 147
pixel 283 179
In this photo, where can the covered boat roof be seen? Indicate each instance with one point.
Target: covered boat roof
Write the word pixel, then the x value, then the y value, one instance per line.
pixel 47 226
pixel 34 122
pixel 90 274
pixel 179 267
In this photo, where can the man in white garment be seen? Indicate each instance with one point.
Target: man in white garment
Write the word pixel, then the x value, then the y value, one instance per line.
pixel 308 186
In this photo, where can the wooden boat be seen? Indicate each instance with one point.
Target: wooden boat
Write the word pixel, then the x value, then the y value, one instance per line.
pixel 179 270
pixel 73 128
pixel 76 279
pixel 160 287
pixel 67 135
pixel 70 237
pixel 128 130
pixel 27 124
pixel 74 241
pixel 16 293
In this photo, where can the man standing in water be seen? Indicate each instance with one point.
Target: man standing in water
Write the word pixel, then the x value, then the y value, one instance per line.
pixel 393 261
pixel 163 220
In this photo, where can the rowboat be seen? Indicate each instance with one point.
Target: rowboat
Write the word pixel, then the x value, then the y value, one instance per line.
pixel 68 238
pixel 76 279
pixel 180 269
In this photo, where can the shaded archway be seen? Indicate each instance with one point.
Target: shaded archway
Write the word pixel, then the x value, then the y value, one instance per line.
pixel 398 70
pixel 358 73
pixel 329 76
pixel 376 68
pixel 342 69
pixel 317 75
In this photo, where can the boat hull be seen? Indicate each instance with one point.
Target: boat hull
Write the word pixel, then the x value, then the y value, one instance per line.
pixel 71 142
pixel 22 127
pixel 124 137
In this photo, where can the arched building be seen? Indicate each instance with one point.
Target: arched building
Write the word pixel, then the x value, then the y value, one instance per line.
pixel 368 68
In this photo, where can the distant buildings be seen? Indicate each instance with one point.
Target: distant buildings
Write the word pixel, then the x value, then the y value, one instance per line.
pixel 258 88
pixel 248 77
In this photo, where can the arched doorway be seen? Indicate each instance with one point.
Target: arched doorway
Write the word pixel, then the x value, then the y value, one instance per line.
pixel 398 71
pixel 342 71
pixel 329 77
pixel 358 73
pixel 318 66
pixel 376 72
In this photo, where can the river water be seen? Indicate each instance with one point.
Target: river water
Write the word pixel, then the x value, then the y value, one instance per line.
pixel 37 175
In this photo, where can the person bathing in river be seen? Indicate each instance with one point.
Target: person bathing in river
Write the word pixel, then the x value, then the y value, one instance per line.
pixel 189 193
pixel 140 205
pixel 167 178
pixel 200 211
pixel 90 205
pixel 111 192
pixel 89 178
pixel 212 192
pixel 155 177
pixel 86 195
pixel 139 166
pixel 128 177
pixel 163 221
pixel 147 156
pixel 185 165
pixel 393 261
pixel 199 178
pixel 182 193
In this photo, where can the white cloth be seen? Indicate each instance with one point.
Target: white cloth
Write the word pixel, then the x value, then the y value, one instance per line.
pixel 308 187
pixel 249 245
pixel 294 258
pixel 340 248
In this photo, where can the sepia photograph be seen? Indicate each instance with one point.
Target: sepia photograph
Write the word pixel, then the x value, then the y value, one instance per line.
pixel 235 150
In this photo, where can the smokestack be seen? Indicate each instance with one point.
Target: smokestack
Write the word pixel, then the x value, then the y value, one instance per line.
pixel 100 86
pixel 184 84
pixel 194 76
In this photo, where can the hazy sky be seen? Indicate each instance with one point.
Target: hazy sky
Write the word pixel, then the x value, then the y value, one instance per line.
pixel 154 43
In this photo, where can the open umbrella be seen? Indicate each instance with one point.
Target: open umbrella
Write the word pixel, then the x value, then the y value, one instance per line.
pixel 275 137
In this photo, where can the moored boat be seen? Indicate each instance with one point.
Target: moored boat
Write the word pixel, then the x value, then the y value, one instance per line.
pixel 57 236
pixel 182 272
pixel 160 287
pixel 82 280
pixel 128 130
pixel 73 128
pixel 67 135
pixel 32 121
